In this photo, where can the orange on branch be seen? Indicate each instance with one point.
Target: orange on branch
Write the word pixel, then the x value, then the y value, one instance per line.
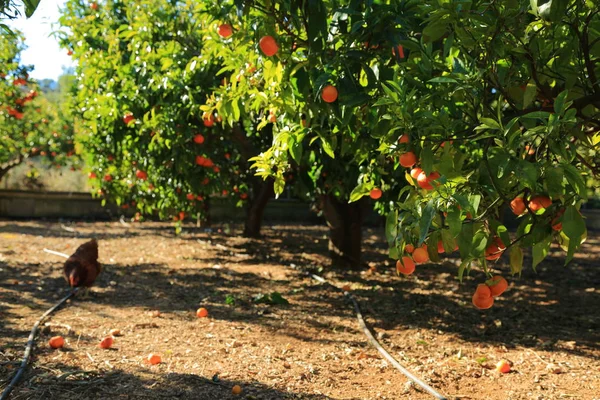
pixel 225 30
pixel 420 255
pixel 329 94
pixel 497 285
pixel 376 193
pixel 268 45
pixel 405 266
pixel 408 159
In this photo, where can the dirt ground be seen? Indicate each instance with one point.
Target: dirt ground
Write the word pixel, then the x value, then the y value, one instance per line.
pixel 547 324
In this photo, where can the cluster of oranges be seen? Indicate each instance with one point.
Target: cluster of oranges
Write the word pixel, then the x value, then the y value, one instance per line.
pixel 520 205
pixel 269 46
pixel 406 265
pixel 409 160
pixel 484 295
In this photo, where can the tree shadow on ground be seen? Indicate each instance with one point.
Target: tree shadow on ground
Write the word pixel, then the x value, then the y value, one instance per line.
pixel 546 309
pixel 65 382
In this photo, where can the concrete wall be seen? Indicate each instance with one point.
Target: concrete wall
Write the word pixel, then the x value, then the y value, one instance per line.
pixel 26 204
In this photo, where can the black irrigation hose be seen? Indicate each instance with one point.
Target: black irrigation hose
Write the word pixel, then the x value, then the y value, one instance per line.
pixel 378 346
pixel 30 343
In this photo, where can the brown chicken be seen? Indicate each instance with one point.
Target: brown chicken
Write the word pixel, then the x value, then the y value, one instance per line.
pixel 82 268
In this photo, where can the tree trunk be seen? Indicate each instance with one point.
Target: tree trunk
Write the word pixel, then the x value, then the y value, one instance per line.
pixel 345 230
pixel 263 191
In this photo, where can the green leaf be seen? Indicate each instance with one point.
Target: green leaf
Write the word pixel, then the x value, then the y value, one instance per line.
pixel 516 260
pixel 442 79
pixel 559 102
pixel 427 160
pixel 425 221
pixel 574 228
pixel 295 148
pixel 554 182
pixel 575 180
pixel 540 250
pixel 359 191
pixel 453 221
pixel 327 147
pixel 536 115
pixel 465 240
pixel 490 123
pixel 391 226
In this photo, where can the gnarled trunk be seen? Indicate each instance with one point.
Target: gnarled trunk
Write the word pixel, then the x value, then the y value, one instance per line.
pixel 263 191
pixel 345 230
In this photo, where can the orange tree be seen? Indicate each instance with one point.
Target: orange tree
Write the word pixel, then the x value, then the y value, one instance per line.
pixel 482 106
pixel 30 125
pixel 149 146
pixel 285 81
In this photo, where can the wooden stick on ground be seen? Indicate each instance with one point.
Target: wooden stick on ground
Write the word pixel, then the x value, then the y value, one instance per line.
pixel 56 253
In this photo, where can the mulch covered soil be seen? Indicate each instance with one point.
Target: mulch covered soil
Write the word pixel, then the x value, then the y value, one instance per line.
pixel 547 323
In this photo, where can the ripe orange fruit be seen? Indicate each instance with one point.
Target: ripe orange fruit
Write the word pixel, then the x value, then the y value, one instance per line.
pixel 154 359
pixel 128 118
pixel 92 175
pixel 441 247
pixel 408 159
pixel 517 205
pixel 424 181
pixel 482 298
pixel 198 138
pixel 94 6
pixel 208 119
pixel 404 139
pixel 420 255
pixel 329 94
pixel 202 312
pixel 106 343
pixel 272 118
pixel 497 285
pixel 190 196
pixel 415 172
pixel 107 178
pixel 495 249
pixel 398 51
pixel 483 303
pixel 556 224
pixel 268 45
pixel 375 193
pixel 530 150
pixel 503 366
pixel 483 291
pixel 409 248
pixel 538 202
pixel 141 175
pixel 56 342
pixel 225 30
pixel 236 389
pixel 406 266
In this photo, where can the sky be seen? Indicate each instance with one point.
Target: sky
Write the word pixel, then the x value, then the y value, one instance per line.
pixel 42 49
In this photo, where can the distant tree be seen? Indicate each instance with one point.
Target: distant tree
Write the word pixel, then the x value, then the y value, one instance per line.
pixel 30 124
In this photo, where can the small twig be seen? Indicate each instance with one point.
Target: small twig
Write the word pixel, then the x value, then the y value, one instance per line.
pixel 56 253
pixel 68 228
pixel 122 221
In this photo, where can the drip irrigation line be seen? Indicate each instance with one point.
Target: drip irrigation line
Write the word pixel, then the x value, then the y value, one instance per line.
pixel 375 343
pixel 30 343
